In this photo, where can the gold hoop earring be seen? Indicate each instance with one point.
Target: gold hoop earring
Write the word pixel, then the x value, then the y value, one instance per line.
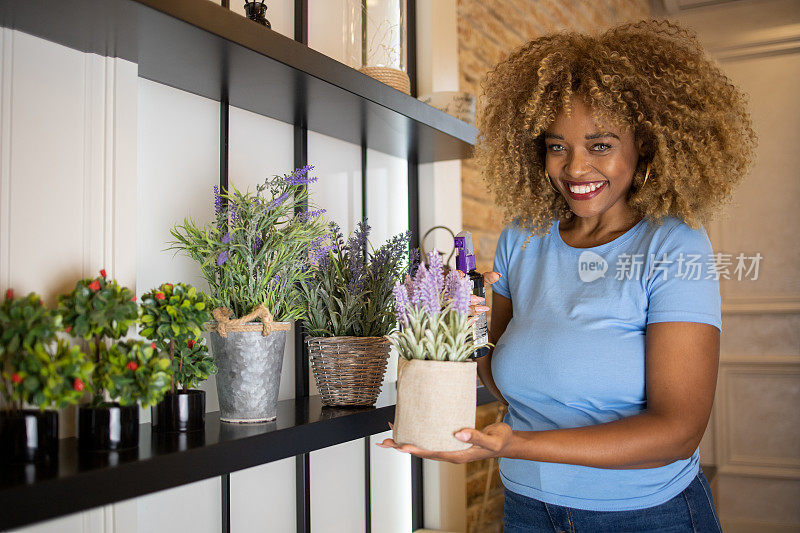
pixel 646 175
pixel 547 177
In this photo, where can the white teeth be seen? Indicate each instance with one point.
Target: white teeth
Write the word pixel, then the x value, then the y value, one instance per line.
pixel 583 189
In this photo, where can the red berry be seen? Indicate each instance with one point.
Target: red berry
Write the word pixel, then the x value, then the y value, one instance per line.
pixel 133 365
pixel 103 272
pixel 77 384
pixel 95 285
pixel 133 298
pixel 153 345
pixel 69 328
pixel 9 294
pixel 16 378
pixel 160 296
pixel 190 343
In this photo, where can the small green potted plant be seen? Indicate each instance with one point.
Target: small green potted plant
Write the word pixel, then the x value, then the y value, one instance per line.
pixel 255 258
pixel 37 370
pixel 350 313
pixel 436 380
pixel 173 316
pixel 126 373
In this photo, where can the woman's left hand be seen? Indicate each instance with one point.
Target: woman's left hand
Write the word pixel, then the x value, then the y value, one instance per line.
pixel 485 444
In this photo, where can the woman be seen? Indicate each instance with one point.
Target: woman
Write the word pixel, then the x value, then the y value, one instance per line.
pixel 608 154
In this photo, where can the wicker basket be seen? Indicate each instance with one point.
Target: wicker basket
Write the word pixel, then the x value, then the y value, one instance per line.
pixel 390 76
pixel 349 370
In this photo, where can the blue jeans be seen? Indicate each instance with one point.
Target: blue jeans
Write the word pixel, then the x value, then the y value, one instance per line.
pixel 690 511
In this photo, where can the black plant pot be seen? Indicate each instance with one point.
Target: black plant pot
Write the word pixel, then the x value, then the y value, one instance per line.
pixel 257 12
pixel 180 411
pixel 110 427
pixel 29 435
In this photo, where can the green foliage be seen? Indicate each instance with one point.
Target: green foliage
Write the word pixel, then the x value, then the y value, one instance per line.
pixel 173 316
pixel 49 378
pixel 35 368
pixel 25 322
pixel 441 336
pixel 257 250
pixel 192 364
pixel 351 291
pixel 134 372
pixel 98 308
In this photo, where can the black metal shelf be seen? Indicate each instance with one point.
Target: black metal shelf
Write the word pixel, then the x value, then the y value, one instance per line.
pixel 80 480
pixel 206 49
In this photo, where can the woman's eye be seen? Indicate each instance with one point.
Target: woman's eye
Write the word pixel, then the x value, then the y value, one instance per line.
pixel 601 147
pixel 555 147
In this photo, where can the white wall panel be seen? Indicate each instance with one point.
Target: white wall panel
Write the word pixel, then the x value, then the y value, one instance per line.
pixel 178 167
pixel 337 488
pixel 194 507
pixel 390 487
pixel 263 498
pixel 387 211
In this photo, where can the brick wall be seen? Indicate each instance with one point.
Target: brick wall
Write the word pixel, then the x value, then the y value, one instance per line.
pixel 487 31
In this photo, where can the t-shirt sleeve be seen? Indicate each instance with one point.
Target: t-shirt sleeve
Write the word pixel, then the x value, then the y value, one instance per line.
pixel 683 283
pixel 501 262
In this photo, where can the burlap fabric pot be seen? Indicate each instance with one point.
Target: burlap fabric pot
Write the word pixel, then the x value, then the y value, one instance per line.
pixel 249 357
pixel 348 370
pixel 435 399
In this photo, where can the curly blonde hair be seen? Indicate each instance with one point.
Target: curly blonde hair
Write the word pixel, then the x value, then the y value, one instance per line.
pixel 652 76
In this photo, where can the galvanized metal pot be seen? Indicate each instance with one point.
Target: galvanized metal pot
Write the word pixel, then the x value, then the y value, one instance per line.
pixel 249 374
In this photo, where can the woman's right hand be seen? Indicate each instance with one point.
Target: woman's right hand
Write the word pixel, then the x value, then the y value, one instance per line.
pixel 477 304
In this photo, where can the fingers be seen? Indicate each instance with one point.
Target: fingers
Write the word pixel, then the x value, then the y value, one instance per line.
pixel 476 299
pixel 491 277
pixel 477 438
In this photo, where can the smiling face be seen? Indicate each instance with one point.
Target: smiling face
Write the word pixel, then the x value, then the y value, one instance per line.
pixel 592 165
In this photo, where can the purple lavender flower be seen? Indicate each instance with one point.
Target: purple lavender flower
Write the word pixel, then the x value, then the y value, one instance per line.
pixel 224 256
pixel 226 238
pixel 278 201
pixel 414 286
pixel 430 295
pixel 436 269
pixel 305 216
pixel 451 284
pixel 388 260
pixel 300 176
pixel 235 215
pixel 273 283
pixel 319 251
pixel 461 295
pixel 257 244
pixel 402 304
pixel 217 201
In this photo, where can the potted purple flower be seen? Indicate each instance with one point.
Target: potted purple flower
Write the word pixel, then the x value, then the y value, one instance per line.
pixel 436 380
pixel 255 257
pixel 349 314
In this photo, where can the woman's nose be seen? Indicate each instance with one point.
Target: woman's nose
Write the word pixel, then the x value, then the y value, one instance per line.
pixel 577 166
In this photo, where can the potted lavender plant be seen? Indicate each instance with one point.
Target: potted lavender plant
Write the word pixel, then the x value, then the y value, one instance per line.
pixel 39 374
pixel 436 381
pixel 349 303
pixel 255 258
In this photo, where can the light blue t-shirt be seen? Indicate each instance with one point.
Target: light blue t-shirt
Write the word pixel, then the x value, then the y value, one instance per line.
pixel 573 353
